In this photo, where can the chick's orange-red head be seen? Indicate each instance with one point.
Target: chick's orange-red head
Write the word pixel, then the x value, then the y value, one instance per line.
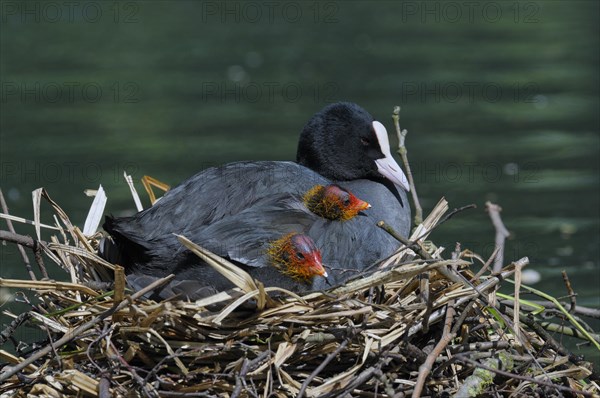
pixel 333 202
pixel 297 256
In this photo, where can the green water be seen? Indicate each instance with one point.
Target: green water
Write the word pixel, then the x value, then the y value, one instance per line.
pixel 500 100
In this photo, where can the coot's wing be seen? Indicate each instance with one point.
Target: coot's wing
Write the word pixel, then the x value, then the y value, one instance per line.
pixel 245 237
pixel 209 196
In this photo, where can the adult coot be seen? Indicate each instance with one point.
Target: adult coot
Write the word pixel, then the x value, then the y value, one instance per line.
pixel 341 143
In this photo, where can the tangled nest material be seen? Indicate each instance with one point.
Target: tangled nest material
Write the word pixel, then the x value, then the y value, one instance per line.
pixel 417 325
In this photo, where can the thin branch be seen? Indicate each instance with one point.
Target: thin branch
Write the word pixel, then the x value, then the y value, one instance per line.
pixel 572 295
pixel 104 387
pixel 12 230
pixel 568 331
pixel 427 299
pixel 453 213
pixel 579 310
pixel 240 379
pixel 319 368
pixel 12 327
pixel 33 244
pixel 411 245
pixel 37 250
pixel 447 336
pixel 465 313
pixel 450 274
pixel 360 379
pixel 22 240
pixel 487 264
pixel 403 154
pixel 501 233
pixel 148 390
pixel 540 331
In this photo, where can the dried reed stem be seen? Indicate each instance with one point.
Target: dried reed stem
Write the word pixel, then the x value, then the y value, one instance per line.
pixel 402 151
pixel 501 233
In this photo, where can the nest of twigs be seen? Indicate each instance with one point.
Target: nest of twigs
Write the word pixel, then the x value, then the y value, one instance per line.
pixel 417 325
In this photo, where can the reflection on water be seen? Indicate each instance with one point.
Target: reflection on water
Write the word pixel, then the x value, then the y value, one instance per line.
pixel 500 103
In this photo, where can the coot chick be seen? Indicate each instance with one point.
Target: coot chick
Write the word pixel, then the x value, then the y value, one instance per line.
pixel 296 256
pixel 333 202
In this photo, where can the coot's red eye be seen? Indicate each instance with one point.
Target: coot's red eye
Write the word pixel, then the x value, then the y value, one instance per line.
pixel 365 141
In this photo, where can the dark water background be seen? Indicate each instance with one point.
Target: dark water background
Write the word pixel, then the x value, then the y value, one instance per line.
pixel 500 100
